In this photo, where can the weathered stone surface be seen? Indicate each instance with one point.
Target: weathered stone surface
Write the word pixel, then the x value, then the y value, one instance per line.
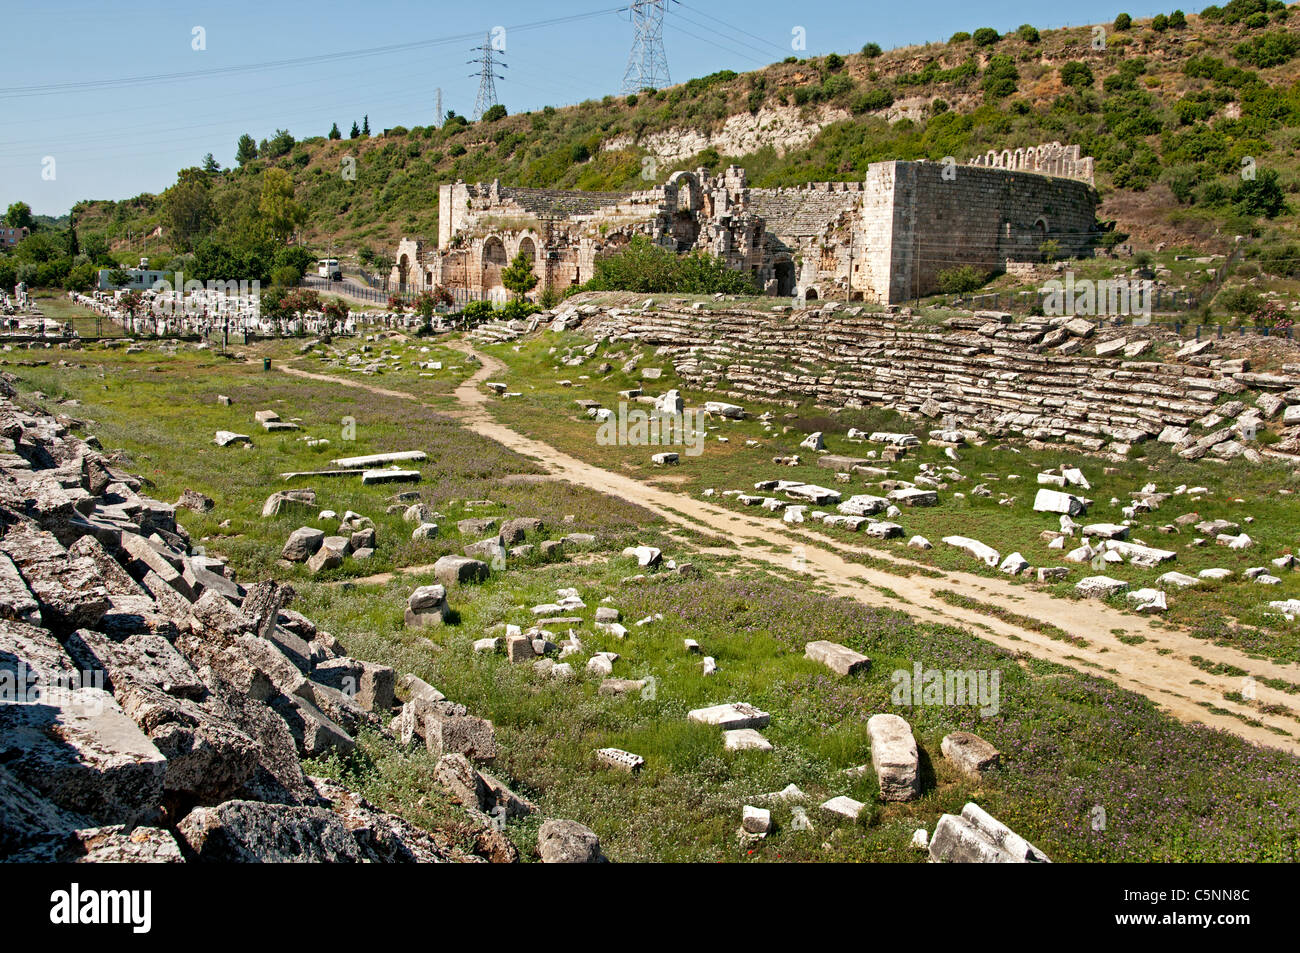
pixel 332 551
pixel 427 606
pixel 969 753
pixel 894 757
pixel 459 734
pixel 731 716
pixel 977 837
pixel 843 807
pixel 115 844
pixel 208 757
pixel 568 842
pixel 82 752
pixel 1054 501
pixel 32 661
pixel 745 739
pixel 251 832
pixel 16 600
pixel 957 841
pixel 620 760
pixel 840 659
pixel 984 553
pixel 285 502
pixel 140 659
pixel 755 820
pixel 1100 587
pixel 513 531
pixel 454 570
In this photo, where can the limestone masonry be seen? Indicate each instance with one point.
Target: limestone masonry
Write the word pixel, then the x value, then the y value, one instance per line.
pixel 1032 378
pixel 883 240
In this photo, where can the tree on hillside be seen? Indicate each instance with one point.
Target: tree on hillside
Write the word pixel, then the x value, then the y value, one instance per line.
pixel 1261 195
pixel 1123 22
pixel 278 145
pixel 493 113
pixel 210 164
pixel 279 213
pixel 355 131
pixel 334 132
pixel 19 215
pixel 245 149
pixel 519 277
pixel 1076 74
pixel 187 207
pixel 365 125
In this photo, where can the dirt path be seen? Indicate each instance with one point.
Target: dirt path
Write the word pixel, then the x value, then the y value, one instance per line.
pixel 1171 680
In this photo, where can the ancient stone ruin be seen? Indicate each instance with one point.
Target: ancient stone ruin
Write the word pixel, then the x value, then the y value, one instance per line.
pixel 152 708
pixel 884 239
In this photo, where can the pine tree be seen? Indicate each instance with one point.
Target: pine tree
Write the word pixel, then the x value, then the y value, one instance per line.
pixel 246 150
pixel 334 132
pixel 365 125
pixel 519 277
pixel 355 132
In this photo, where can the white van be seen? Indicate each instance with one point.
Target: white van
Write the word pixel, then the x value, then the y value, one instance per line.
pixel 329 268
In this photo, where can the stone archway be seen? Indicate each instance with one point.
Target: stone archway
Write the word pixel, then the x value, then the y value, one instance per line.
pixel 686 212
pixel 403 272
pixel 494 262
pixel 783 271
pixel 810 294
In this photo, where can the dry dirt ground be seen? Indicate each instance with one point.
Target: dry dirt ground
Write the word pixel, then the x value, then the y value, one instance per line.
pixel 1159 668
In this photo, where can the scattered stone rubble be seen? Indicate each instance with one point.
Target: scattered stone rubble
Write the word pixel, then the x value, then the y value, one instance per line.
pixel 155 709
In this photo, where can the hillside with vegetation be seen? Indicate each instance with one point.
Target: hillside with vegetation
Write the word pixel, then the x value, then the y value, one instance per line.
pixel 1194 121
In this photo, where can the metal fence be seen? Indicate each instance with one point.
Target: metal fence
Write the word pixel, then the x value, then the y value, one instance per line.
pixel 459 296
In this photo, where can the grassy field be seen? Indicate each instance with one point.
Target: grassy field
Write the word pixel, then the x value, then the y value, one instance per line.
pixel 1234 611
pixel 1072 743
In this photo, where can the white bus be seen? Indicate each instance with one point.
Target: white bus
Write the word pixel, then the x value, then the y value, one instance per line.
pixel 329 268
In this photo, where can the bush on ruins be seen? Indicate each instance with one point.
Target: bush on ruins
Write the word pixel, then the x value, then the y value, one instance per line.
pixel 647 268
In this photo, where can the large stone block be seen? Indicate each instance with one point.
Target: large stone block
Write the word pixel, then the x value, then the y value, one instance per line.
pixel 80 750
pixel 840 659
pixel 894 757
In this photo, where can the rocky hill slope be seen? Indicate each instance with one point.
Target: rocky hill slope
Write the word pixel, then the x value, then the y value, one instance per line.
pixel 1179 112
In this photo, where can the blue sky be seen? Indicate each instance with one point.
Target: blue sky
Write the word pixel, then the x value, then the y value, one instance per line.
pixel 115 140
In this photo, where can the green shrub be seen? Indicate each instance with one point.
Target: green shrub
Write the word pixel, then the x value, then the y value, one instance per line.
pixel 1028 33
pixel 872 100
pixel 1238 300
pixel 1261 196
pixel 985 36
pixel 1268 49
pixel 1076 75
pixel 1123 22
pixel 961 36
pixel 1000 77
pixel 955 281
pixel 647 268
pixel 871 50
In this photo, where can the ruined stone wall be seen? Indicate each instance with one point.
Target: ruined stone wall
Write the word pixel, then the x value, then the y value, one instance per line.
pixel 1030 378
pixel 978 217
pixel 885 239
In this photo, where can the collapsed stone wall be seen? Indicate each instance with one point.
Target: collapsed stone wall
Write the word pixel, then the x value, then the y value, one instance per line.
pixel 1031 378
pixel 152 708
